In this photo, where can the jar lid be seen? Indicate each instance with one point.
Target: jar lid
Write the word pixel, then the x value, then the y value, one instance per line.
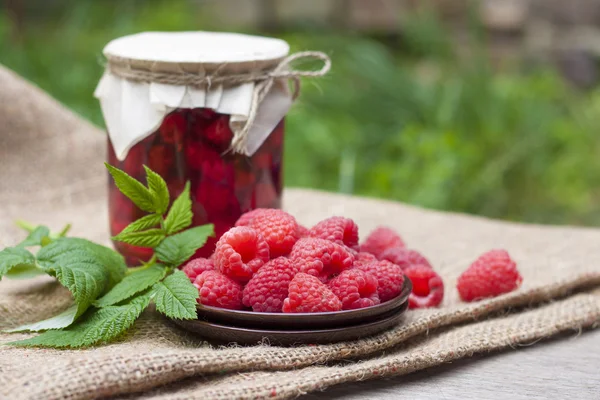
pixel 196 47
pixel 151 74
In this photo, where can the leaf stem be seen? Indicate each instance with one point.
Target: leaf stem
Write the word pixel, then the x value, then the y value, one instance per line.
pixel 28 226
pixel 142 267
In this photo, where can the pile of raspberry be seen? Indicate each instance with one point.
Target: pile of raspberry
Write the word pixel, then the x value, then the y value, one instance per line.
pixel 269 263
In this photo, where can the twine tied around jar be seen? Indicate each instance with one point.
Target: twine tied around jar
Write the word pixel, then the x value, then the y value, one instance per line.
pixel 263 80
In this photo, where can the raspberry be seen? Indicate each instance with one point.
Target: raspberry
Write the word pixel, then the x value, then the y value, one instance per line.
pixel 173 127
pixel 278 228
pixel 197 266
pixel 337 229
pixel 492 274
pixel 218 290
pixel 404 257
pixel 246 218
pixel 218 132
pixel 364 258
pixel 320 257
pixel 308 294
pixel 428 288
pixel 381 239
pixel 390 278
pixel 355 288
pixel 302 231
pixel 240 252
pixel 268 287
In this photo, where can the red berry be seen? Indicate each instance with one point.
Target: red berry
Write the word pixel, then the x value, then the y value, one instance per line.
pixel 492 274
pixel 404 257
pixel 381 239
pixel 246 218
pixel 321 258
pixel 302 231
pixel 308 294
pixel 161 158
pixel 355 289
pixel 218 290
pixel 363 258
pixel 268 287
pixel 197 266
pixel 240 252
pixel 278 228
pixel 428 288
pixel 218 132
pixel 390 278
pixel 337 229
pixel 173 127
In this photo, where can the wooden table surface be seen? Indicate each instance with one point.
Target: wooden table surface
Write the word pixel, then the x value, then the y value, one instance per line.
pixel 563 368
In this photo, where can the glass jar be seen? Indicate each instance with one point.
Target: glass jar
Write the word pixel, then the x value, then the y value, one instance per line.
pixel 203 107
pixel 192 144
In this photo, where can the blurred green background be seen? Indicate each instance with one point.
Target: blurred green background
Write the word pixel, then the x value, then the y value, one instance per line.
pixel 403 115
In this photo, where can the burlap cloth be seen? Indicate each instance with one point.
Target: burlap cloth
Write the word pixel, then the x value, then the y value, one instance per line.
pixel 51 172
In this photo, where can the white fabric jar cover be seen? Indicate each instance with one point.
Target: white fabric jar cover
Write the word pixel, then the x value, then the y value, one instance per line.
pixel 150 74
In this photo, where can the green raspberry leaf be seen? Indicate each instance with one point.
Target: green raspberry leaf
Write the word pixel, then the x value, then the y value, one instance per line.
pixel 61 320
pixel 86 269
pixel 148 221
pixel 38 237
pixel 133 189
pixel 158 188
pixel 24 272
pixel 132 285
pixel 13 257
pixel 98 326
pixel 176 249
pixel 176 297
pixel 148 238
pixel 180 215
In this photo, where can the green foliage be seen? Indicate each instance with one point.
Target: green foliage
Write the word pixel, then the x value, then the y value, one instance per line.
pixel 158 189
pixel 147 238
pixel 99 326
pixel 40 235
pixel 176 249
pixel 90 270
pixel 132 285
pixel 180 215
pixel 175 297
pixel 12 257
pixel 133 189
pixel 148 221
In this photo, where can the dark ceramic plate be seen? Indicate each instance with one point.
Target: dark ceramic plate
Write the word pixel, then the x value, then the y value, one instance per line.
pixel 302 321
pixel 231 334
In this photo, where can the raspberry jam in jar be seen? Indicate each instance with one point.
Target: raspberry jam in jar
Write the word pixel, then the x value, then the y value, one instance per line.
pixel 202 107
pixel 192 144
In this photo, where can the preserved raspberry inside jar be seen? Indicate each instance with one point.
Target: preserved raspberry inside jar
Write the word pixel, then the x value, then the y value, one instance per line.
pixel 193 144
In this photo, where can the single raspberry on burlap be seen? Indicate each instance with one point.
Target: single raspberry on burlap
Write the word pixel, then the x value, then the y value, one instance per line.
pixel 381 239
pixel 355 289
pixel 308 294
pixel 492 274
pixel 240 252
